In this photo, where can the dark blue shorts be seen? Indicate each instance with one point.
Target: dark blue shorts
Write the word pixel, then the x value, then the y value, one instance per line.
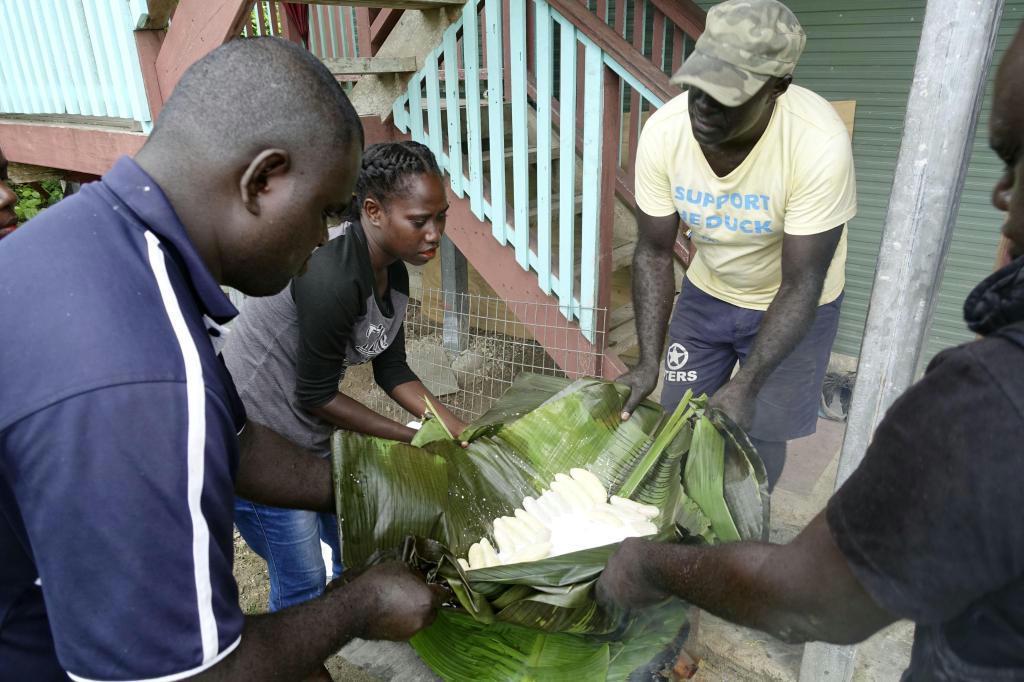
pixel 708 336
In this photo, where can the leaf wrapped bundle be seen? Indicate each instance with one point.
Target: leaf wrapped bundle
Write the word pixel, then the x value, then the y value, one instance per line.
pixel 516 620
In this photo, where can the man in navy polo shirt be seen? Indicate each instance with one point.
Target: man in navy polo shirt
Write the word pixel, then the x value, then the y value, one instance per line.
pixel 119 446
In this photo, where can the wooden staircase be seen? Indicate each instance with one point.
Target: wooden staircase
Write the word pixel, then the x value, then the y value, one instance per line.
pixel 571 243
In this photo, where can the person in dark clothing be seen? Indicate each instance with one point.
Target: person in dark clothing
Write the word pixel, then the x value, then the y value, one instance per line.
pixel 288 352
pixel 928 527
pixel 122 438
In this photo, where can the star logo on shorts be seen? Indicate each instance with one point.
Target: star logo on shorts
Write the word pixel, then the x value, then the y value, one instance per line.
pixel 676 357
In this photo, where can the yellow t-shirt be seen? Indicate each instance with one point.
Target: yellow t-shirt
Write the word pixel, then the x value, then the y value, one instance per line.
pixel 798 179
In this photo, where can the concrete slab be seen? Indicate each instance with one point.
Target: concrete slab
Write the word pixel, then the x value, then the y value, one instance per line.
pixel 383 661
pixel 807 458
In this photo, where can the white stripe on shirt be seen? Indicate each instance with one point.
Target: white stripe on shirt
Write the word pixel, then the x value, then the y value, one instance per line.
pixel 195 392
pixel 183 674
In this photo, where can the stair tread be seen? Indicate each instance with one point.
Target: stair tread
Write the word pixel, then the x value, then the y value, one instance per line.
pixel 532 152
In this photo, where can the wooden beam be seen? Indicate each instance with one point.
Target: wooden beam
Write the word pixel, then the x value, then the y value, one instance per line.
pixel 363 49
pixel 358 66
pixel 606 213
pixel 290 29
pixel 381 27
pixel 199 27
pixel 159 14
pixel 376 129
pixel 107 122
pixel 537 311
pixel 415 35
pixel 86 149
pixel 20 173
pixel 685 14
pixel 148 44
pixel 617 47
pixel 394 4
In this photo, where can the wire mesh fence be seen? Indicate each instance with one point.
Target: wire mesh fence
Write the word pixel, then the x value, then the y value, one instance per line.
pixel 467 349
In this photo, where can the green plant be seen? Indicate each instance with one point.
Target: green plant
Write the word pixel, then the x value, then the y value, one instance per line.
pixel 34 197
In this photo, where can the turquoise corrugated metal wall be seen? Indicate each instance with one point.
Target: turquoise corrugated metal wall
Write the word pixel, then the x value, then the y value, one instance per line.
pixel 865 50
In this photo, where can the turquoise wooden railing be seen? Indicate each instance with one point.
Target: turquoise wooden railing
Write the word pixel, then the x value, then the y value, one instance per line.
pixel 561 248
pixel 72 57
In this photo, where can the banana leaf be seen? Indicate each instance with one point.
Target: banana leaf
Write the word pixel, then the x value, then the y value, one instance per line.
pixel 512 622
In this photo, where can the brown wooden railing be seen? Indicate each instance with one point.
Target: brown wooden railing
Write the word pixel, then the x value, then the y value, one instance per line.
pixel 650 38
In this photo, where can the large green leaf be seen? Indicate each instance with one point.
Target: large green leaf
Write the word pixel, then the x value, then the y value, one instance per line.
pixel 461 649
pixel 704 478
pixel 536 620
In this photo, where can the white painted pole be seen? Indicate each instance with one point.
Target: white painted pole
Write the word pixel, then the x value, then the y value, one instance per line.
pixel 957 40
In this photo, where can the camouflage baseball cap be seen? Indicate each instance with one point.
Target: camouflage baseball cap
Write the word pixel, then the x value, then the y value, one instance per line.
pixel 745 42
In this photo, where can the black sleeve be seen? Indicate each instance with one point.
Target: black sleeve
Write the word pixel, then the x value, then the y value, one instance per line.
pixel 328 301
pixel 931 521
pixel 390 368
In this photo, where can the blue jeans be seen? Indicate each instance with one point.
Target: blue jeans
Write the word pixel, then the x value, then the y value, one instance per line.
pixel 289 541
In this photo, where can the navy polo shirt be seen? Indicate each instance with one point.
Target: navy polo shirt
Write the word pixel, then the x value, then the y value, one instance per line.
pixel 118 443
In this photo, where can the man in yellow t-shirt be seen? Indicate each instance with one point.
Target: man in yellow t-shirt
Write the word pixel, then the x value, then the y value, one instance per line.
pixel 761 173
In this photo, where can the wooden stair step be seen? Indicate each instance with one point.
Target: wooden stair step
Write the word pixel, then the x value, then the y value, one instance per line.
pixel 577 203
pixel 556 153
pixel 361 66
pixel 622 254
pixel 394 4
pixel 621 329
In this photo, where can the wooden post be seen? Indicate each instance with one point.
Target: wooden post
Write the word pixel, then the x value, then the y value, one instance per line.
pixel 148 43
pixel 455 285
pixel 363 49
pixel 290 30
pixel 942 113
pixel 199 27
pixel 606 217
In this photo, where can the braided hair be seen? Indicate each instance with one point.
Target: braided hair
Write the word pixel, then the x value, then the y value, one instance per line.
pixel 387 168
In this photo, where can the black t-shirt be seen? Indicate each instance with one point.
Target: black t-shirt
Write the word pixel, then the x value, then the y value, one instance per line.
pixel 932 522
pixel 342 320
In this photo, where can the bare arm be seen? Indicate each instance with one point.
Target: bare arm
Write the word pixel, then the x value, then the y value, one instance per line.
pixel 805 262
pixel 798 592
pixel 386 602
pixel 410 395
pixel 273 470
pixel 653 290
pixel 351 415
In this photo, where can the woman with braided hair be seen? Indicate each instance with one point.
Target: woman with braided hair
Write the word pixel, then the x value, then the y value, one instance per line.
pixel 288 353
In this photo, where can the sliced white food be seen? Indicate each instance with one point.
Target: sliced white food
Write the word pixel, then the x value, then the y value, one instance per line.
pixel 628 516
pixel 532 522
pixel 573 493
pixel 554 502
pixel 502 538
pixel 476 556
pixel 534 552
pixel 646 510
pixel 605 517
pixel 490 557
pixel 520 533
pixel 534 509
pixel 591 483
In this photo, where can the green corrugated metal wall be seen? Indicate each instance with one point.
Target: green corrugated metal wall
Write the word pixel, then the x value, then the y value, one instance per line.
pixel 865 50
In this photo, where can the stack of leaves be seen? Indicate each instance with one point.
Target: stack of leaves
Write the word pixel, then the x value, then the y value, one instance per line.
pixel 537 619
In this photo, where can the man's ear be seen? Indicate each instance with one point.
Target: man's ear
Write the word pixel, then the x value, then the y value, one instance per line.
pixel 781 85
pixel 258 174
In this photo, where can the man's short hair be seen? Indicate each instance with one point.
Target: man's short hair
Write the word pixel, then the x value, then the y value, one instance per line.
pixel 254 93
